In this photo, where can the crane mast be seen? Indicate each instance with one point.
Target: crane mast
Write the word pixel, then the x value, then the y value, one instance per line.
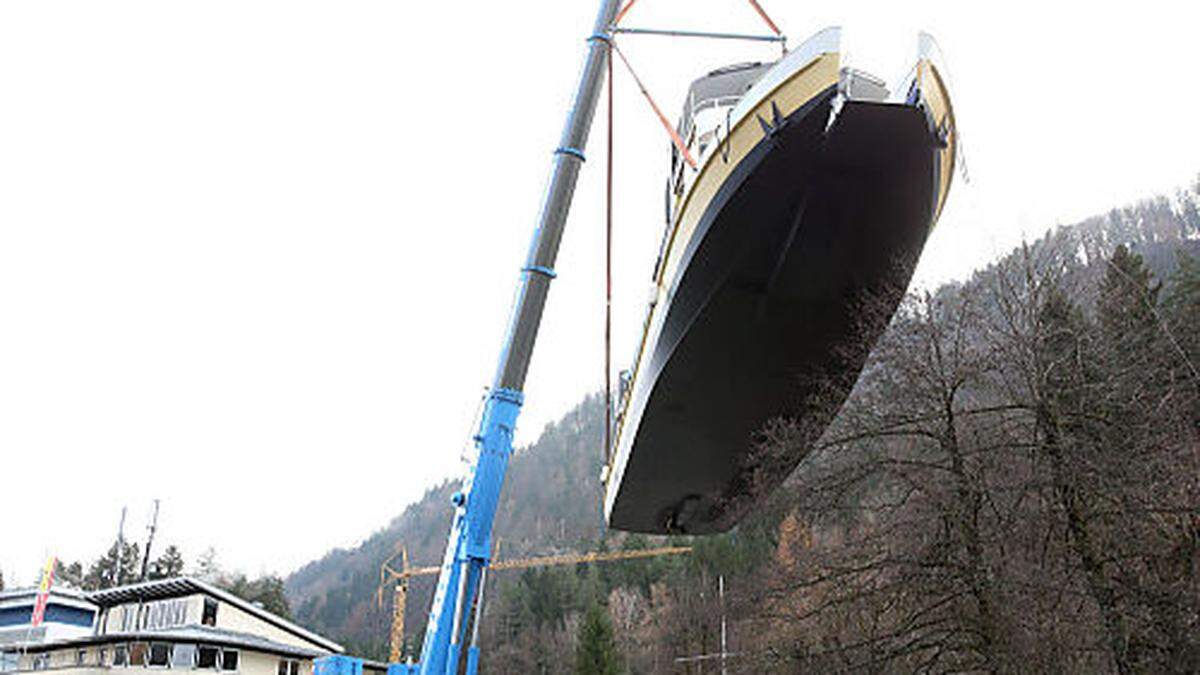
pixel 469 547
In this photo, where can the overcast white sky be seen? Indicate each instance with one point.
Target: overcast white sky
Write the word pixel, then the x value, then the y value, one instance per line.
pixel 256 256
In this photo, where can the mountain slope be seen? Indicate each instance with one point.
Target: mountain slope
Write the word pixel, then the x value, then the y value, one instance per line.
pixel 551 502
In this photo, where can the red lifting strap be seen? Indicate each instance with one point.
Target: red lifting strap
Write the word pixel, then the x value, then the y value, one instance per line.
pixel 679 144
pixel 758 8
pixel 624 10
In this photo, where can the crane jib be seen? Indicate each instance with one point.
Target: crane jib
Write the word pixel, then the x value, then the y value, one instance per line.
pixel 469 547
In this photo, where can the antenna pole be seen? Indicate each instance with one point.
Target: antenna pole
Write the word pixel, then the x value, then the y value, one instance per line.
pixel 116 575
pixel 149 542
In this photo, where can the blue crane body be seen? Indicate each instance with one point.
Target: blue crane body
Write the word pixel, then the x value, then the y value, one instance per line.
pixel 468 551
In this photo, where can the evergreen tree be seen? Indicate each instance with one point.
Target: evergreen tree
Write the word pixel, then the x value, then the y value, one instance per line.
pixel 1189 217
pixel 68 574
pixel 1128 298
pixel 1182 304
pixel 169 564
pixel 266 591
pixel 106 572
pixel 596 652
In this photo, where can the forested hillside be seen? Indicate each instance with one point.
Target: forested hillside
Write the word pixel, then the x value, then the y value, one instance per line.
pixel 1013 486
pixel 550 503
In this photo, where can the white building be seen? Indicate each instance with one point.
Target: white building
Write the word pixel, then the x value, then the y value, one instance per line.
pixel 69 614
pixel 179 624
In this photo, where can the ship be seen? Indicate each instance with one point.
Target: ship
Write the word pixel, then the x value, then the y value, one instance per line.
pixel 787 248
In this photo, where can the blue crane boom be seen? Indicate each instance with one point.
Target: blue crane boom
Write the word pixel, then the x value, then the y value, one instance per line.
pixel 469 548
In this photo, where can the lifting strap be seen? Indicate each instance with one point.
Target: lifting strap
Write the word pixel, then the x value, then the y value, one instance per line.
pixel 624 10
pixel 608 223
pixel 753 3
pixel 761 12
pixel 679 144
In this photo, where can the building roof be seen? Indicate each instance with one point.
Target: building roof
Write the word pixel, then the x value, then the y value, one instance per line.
pixel 31 591
pixel 161 589
pixel 200 634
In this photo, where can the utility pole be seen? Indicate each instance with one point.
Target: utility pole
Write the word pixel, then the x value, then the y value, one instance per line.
pixel 149 542
pixel 723 655
pixel 721 601
pixel 116 575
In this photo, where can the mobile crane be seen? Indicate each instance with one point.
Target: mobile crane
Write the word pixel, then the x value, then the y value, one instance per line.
pixel 468 551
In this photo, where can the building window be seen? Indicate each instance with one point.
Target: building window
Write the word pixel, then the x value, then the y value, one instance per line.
pixel 80 657
pixel 289 667
pixel 121 655
pixel 229 659
pixel 183 656
pixel 207 657
pixel 160 654
pixel 41 661
pixel 9 662
pixel 209 618
pixel 137 653
pixel 102 657
pixel 164 613
pixel 129 617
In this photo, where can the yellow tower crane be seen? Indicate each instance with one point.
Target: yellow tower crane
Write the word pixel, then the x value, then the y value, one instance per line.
pixel 401 576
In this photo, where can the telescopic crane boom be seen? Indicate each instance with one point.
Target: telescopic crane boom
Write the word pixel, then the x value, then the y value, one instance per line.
pixel 469 547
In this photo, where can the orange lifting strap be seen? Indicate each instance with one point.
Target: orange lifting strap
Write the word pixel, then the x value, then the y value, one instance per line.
pixel 753 3
pixel 679 144
pixel 770 24
pixel 621 14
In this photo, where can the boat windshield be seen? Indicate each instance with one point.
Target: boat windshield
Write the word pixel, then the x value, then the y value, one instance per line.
pixel 705 116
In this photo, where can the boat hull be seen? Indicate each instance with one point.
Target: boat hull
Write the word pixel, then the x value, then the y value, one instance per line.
pixel 791 273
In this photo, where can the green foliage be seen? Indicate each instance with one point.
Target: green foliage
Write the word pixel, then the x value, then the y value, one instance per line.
pixel 100 573
pixel 375 650
pixel 549 504
pixel 168 565
pixel 265 591
pixel 70 574
pixel 1128 298
pixel 1182 304
pixel 542 596
pixel 105 571
pixel 637 573
pixel 596 651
